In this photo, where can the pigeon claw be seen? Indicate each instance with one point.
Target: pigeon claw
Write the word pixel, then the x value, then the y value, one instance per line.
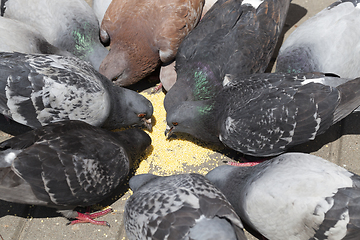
pixel 169 131
pixel 157 88
pixel 89 218
pixel 147 123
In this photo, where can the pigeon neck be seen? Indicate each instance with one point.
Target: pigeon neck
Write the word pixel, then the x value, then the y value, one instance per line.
pixel 226 177
pixel 296 60
pixel 205 84
pixel 96 55
pixel 205 123
pixel 112 122
pixel 140 180
pixel 84 38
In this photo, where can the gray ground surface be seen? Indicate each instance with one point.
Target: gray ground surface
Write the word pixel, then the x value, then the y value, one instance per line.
pixel 339 145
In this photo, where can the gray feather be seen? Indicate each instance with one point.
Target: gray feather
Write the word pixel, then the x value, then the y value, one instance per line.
pixel 178 207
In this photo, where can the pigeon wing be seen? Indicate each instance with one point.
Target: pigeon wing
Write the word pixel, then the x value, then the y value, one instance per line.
pixel 266 120
pixel 79 168
pixel 173 206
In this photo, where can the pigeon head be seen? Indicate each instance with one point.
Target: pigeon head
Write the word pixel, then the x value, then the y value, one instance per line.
pixel 128 62
pixel 178 93
pixel 135 141
pixel 195 118
pixel 116 67
pixel 229 179
pixel 140 180
pixel 129 109
pixel 219 175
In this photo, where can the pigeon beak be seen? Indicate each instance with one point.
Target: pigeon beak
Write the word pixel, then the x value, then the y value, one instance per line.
pixel 168 131
pixel 147 123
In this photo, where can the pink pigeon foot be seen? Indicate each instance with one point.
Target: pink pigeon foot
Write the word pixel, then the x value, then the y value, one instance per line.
pixel 89 218
pixel 157 88
pixel 244 164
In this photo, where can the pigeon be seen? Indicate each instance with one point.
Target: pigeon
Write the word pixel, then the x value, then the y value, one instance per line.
pixel 144 34
pixel 37 89
pixel 70 25
pixel 167 74
pixel 327 42
pixel 264 114
pixel 67 164
pixel 293 196
pixel 184 206
pixel 16 36
pixel 100 7
pixel 234 36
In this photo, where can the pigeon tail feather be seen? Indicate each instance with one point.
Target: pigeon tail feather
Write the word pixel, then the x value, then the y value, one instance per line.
pixel 349 99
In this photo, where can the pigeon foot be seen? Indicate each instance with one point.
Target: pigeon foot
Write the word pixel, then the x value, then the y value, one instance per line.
pixel 89 218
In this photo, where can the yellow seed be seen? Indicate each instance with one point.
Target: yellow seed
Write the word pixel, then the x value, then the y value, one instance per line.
pixel 174 156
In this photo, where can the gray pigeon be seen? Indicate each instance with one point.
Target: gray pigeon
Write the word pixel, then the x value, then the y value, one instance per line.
pixel 294 196
pixel 16 36
pixel 37 89
pixel 327 42
pixel 67 164
pixel 265 114
pixel 70 25
pixel 234 36
pixel 184 206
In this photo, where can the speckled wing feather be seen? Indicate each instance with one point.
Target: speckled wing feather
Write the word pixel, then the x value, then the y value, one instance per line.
pixel 67 164
pixel 38 89
pixel 168 207
pixel 267 113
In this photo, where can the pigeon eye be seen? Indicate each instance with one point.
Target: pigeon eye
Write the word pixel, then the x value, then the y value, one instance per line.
pixel 175 123
pixel 141 115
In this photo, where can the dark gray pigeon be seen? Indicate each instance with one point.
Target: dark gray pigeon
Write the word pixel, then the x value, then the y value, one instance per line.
pixel 67 164
pixel 234 36
pixel 70 25
pixel 37 89
pixel 184 206
pixel 327 42
pixel 294 196
pixel 265 114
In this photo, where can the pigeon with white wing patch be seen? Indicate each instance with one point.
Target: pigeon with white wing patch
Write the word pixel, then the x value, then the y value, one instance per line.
pixel 265 114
